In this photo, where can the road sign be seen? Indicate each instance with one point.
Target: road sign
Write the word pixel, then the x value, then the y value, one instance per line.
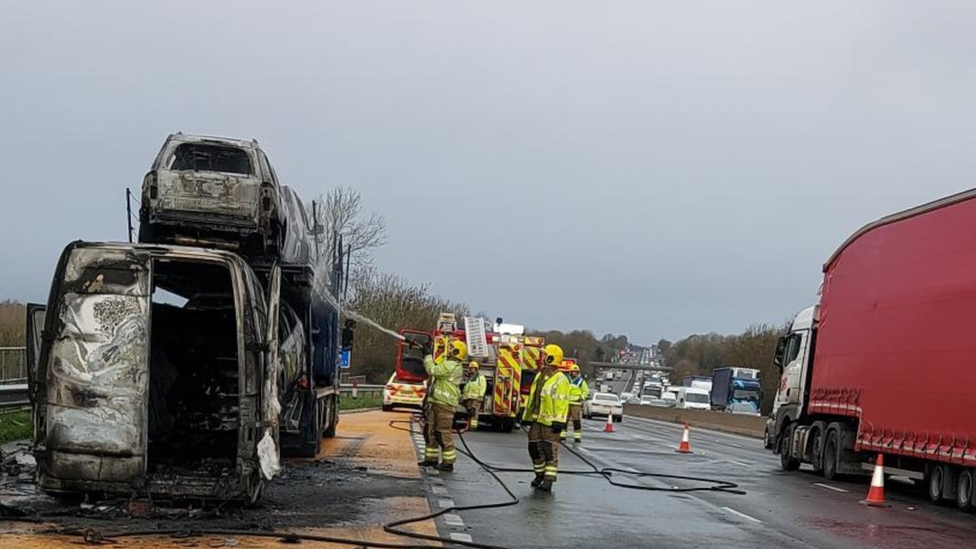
pixel 345 358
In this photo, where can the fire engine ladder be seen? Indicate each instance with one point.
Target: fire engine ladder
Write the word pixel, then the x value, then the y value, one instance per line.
pixel 477 337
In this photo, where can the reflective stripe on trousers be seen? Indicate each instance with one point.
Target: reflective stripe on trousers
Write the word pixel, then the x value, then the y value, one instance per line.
pixel 440 439
pixel 575 417
pixel 543 449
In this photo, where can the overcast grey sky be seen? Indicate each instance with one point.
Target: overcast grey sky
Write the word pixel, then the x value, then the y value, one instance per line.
pixel 661 168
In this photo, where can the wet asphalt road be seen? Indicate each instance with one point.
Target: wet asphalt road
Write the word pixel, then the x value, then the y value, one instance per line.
pixel 779 509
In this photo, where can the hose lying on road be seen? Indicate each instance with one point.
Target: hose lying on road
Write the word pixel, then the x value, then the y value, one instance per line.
pixel 95 537
pixel 712 485
pixel 716 485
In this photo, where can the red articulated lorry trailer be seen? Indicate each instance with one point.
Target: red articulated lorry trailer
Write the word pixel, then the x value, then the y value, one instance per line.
pixel 886 362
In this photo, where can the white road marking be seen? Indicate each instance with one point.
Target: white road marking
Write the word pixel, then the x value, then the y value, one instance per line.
pixel 667 425
pixel 439 490
pixel 445 503
pixel 743 515
pixel 457 536
pixel 829 487
pixel 739 463
pixel 638 437
pixel 453 520
pixel 584 450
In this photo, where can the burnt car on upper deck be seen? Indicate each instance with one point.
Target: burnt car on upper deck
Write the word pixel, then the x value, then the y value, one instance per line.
pixel 223 193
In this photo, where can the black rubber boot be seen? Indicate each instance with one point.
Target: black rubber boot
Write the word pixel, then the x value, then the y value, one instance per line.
pixel 537 481
pixel 426 463
pixel 446 467
pixel 546 486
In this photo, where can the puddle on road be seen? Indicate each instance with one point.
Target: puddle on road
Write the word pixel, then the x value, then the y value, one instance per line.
pixel 896 536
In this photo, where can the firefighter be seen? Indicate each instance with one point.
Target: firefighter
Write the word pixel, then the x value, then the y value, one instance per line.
pixel 578 392
pixel 443 395
pixel 474 394
pixel 545 413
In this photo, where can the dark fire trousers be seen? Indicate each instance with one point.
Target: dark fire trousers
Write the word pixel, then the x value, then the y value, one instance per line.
pixel 543 449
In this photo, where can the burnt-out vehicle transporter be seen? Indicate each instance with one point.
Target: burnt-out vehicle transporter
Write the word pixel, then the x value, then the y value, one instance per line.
pixel 182 371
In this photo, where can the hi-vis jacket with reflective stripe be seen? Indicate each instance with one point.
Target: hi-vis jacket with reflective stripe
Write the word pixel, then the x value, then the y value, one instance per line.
pixel 445 379
pixel 554 401
pixel 578 390
pixel 475 389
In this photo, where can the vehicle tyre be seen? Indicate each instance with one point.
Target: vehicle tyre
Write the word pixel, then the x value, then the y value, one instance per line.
pixel 330 430
pixel 618 419
pixel 507 425
pixel 147 232
pixel 937 476
pixel 387 408
pixel 966 489
pixel 816 450
pixel 831 455
pixel 253 488
pixel 786 442
pixel 767 440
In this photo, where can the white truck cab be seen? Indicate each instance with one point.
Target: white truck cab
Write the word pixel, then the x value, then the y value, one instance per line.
pixel 693 398
pixel 795 351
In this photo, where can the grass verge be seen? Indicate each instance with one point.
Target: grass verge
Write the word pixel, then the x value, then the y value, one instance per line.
pixel 349 403
pixel 15 426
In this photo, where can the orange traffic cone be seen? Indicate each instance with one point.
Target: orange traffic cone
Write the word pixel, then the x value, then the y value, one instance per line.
pixel 685 446
pixel 608 428
pixel 876 496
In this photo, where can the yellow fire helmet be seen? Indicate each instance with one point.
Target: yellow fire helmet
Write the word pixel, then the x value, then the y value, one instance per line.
pixel 473 365
pixel 554 355
pixel 574 368
pixel 459 350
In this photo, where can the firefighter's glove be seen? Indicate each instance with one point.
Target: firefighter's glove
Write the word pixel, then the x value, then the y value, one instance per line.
pixel 558 427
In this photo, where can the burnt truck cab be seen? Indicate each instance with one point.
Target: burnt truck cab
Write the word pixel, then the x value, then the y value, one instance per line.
pixel 155 373
pixel 223 193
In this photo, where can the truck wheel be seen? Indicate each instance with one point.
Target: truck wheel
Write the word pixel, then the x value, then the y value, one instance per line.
pixel 507 425
pixel 816 453
pixel 387 408
pixel 787 462
pixel 831 455
pixel 937 477
pixel 330 430
pixel 965 493
pixel 253 488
